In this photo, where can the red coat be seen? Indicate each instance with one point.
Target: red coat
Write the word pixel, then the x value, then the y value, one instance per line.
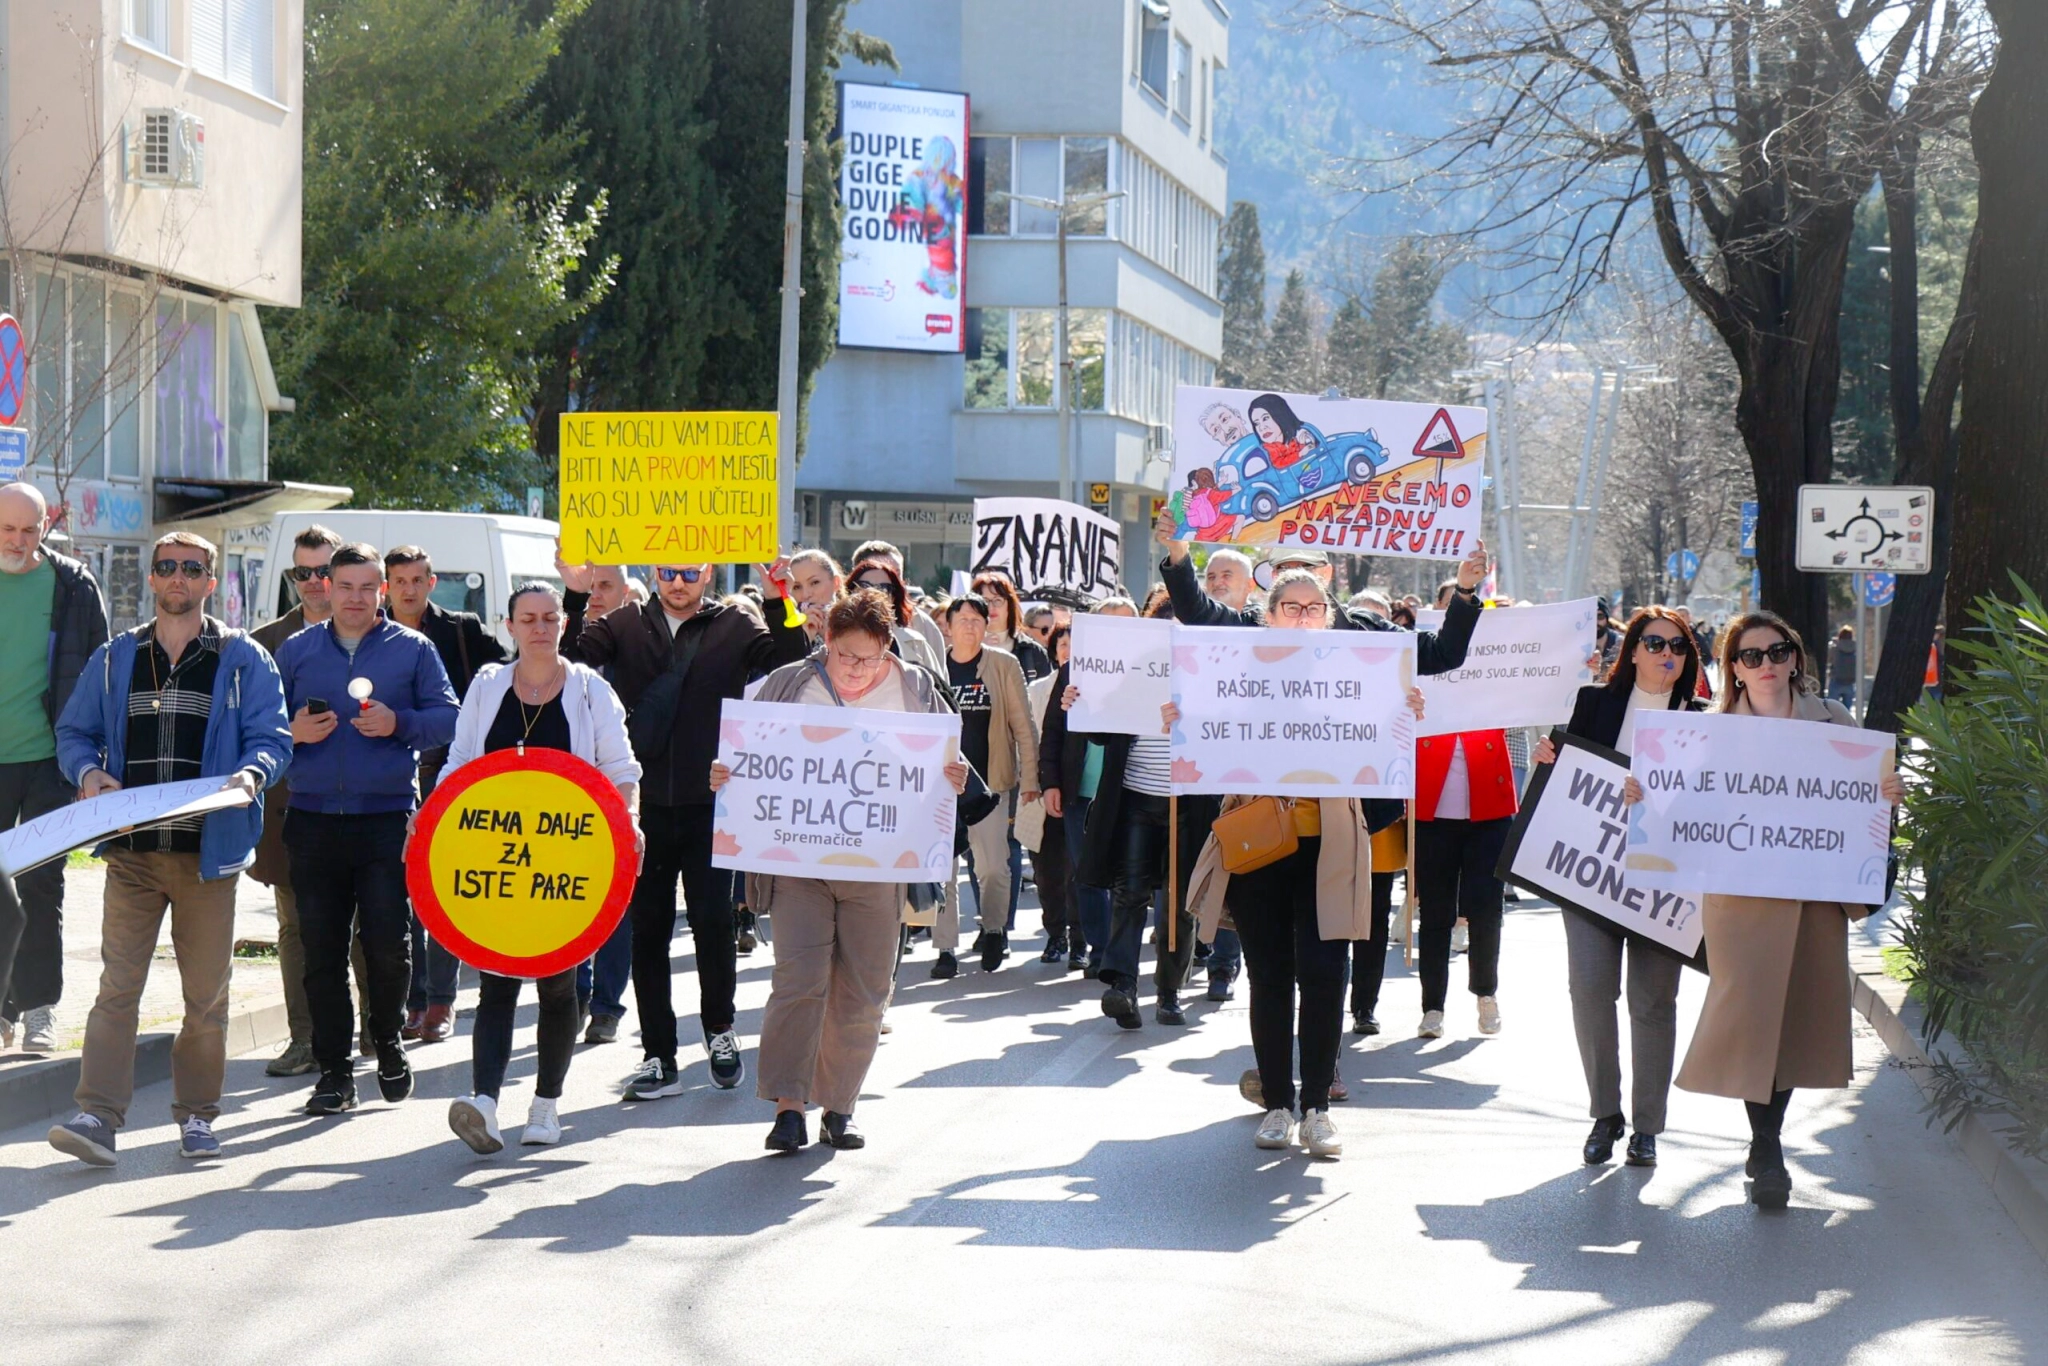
pixel 1491 776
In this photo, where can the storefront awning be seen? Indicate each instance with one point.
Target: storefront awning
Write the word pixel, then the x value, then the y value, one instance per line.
pixel 232 503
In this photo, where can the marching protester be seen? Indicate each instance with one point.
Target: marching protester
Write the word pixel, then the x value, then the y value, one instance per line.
pixel 1842 667
pixel 997 739
pixel 1228 577
pixel 907 641
pixel 601 982
pixel 1049 871
pixel 539 701
pixel 178 698
pixel 611 588
pixel 1654 670
pixel 673 661
pixel 1070 765
pixel 465 645
pixel 923 622
pixel 56 620
pixel 1776 1017
pixel 354 789
pixel 835 941
pixel 1005 626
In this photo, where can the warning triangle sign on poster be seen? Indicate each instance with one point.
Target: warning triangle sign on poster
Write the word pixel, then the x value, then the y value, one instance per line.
pixel 1440 438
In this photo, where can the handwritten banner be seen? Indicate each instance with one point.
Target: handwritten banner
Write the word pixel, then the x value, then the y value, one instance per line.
pixel 1361 475
pixel 835 792
pixel 1752 806
pixel 1293 713
pixel 668 488
pixel 1524 668
pixel 1570 840
pixel 1041 543
pixel 1123 667
pixel 57 833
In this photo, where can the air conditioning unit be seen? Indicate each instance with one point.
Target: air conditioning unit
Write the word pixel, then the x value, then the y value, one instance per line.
pixel 166 148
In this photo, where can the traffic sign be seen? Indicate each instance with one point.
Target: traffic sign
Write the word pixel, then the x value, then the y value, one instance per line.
pixel 1682 564
pixel 1748 550
pixel 1847 529
pixel 1879 588
pixel 13 370
pixel 13 451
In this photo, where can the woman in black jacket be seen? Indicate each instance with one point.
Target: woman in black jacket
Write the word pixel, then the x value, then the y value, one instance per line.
pixel 1657 668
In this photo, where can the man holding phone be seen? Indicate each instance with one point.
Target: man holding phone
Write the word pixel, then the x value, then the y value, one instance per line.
pixel 367 695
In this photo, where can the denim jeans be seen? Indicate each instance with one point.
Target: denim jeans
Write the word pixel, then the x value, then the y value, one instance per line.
pixel 348 873
pixel 32 945
pixel 434 971
pixel 491 1037
pixel 1275 911
pixel 601 979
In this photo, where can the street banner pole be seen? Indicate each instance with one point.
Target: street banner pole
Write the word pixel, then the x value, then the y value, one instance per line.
pixel 788 531
pixel 1172 874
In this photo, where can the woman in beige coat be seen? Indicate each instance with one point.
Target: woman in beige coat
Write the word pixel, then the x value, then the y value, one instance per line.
pixel 1777 1010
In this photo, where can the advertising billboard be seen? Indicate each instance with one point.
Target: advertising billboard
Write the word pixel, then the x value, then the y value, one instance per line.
pixel 903 195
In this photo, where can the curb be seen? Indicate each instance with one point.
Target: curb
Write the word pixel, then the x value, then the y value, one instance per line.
pixel 43 1090
pixel 2019 1182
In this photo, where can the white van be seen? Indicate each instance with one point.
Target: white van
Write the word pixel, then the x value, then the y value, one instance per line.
pixel 479 557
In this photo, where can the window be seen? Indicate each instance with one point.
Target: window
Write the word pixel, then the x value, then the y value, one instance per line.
pixel 1031 336
pixel 245 406
pixel 988 358
pixel 1167 223
pixel 988 186
pixel 1153 36
pixel 149 23
pixel 1036 368
pixel 190 437
pixel 1088 344
pixel 1202 104
pixel 88 378
pixel 1087 172
pixel 86 347
pixel 124 387
pixel 1038 175
pixel 1183 92
pixel 1143 369
pixel 1044 168
pixel 233 41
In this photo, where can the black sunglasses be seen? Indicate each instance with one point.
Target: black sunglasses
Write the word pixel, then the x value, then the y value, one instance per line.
pixel 667 575
pixel 1753 658
pixel 1657 645
pixel 300 572
pixel 193 569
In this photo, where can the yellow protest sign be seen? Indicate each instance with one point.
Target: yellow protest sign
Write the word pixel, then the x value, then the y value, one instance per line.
pixel 668 488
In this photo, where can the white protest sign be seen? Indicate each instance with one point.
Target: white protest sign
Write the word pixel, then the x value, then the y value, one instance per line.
pixel 1123 667
pixel 1293 713
pixel 835 792
pixel 1525 667
pixel 1040 543
pixel 1571 838
pixel 1752 806
pixel 72 827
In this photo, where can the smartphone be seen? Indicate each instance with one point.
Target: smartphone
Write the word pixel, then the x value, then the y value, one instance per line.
pixel 316 706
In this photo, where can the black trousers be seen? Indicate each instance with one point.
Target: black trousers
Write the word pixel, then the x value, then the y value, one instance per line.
pixel 1140 844
pixel 32 933
pixel 1274 909
pixel 1060 909
pixel 491 1038
pixel 1369 956
pixel 348 873
pixel 679 845
pixel 1454 863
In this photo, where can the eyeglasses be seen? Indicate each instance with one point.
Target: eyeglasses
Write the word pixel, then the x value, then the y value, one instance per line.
pixel 667 575
pixel 858 662
pixel 1302 611
pixel 1657 645
pixel 301 572
pixel 193 569
pixel 1754 658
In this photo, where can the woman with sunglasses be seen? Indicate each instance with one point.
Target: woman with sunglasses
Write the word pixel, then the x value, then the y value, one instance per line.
pixel 908 642
pixel 1655 669
pixel 835 941
pixel 1005 626
pixel 1777 1011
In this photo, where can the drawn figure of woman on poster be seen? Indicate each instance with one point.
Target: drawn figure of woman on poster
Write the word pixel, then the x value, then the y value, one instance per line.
pixel 931 202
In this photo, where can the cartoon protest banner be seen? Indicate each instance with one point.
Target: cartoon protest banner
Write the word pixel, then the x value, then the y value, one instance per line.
pixel 835 792
pixel 903 193
pixel 522 861
pixel 668 488
pixel 1751 806
pixel 1293 713
pixel 1362 475
pixel 1123 667
pixel 1525 667
pixel 1041 543
pixel 1569 842
pixel 77 824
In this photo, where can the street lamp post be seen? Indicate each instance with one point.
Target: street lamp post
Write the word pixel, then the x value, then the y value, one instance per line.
pixel 1060 208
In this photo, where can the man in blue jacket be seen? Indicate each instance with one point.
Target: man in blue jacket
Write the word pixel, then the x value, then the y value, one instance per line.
pixel 366 696
pixel 178 698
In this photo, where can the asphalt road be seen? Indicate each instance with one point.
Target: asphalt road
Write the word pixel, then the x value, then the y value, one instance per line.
pixel 1039 1187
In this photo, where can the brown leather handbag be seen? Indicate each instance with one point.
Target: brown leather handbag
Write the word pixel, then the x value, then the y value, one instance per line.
pixel 1260 832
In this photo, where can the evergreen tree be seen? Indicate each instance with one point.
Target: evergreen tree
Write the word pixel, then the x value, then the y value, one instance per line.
pixel 441 240
pixel 1412 355
pixel 1241 284
pixel 1294 360
pixel 1347 349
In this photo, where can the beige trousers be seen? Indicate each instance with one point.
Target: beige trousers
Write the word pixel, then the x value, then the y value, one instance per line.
pixel 989 839
pixel 835 963
pixel 139 888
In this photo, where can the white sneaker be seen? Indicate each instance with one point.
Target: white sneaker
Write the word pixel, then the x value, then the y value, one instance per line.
pixel 1276 1130
pixel 1432 1025
pixel 1320 1136
pixel 1461 938
pixel 475 1121
pixel 543 1126
pixel 39 1031
pixel 1489 1015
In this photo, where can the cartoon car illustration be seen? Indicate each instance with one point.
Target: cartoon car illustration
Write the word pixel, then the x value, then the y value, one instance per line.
pixel 1260 489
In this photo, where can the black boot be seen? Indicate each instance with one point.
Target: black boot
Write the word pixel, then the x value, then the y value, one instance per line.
pixel 1770 1184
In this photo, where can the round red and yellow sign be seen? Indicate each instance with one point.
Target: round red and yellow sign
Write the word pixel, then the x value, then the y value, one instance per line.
pixel 522 863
